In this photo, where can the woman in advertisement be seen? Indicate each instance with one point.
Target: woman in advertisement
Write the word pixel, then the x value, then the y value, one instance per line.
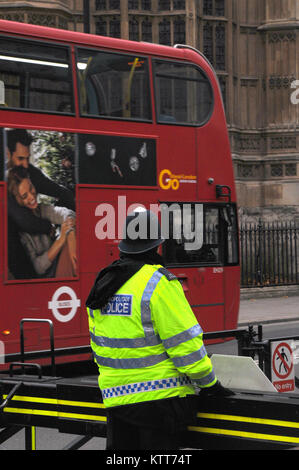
pixel 50 256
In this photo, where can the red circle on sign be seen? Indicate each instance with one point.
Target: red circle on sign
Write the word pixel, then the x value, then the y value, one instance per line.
pixel 285 364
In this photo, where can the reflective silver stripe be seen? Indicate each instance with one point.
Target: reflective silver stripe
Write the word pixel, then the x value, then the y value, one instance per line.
pixel 91 312
pixel 106 342
pixel 131 363
pixel 147 386
pixel 150 339
pixel 146 319
pixel 190 358
pixel 182 337
pixel 205 380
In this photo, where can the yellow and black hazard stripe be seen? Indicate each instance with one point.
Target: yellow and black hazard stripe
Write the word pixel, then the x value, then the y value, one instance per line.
pixel 41 407
pixel 234 427
pixel 245 421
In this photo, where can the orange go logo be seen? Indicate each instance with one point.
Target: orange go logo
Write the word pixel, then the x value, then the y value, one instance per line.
pixel 168 181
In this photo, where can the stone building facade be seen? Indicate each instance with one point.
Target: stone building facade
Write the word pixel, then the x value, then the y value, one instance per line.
pixel 254 47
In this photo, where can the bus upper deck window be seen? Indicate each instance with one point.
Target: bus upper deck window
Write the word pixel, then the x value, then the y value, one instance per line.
pixel 35 76
pixel 113 85
pixel 183 93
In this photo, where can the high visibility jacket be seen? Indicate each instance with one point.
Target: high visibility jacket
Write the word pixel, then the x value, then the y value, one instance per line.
pixel 147 342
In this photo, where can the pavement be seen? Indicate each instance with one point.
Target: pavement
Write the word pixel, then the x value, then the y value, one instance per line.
pixel 274 308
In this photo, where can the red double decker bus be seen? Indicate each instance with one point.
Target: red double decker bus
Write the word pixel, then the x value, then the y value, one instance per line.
pixel 103 125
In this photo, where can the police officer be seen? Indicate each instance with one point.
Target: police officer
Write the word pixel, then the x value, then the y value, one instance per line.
pixel 147 344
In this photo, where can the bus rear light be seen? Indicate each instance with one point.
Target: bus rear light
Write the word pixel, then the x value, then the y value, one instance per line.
pixel 6 332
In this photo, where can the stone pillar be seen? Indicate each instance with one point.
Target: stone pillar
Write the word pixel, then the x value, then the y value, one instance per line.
pixel 191 23
pixel 124 20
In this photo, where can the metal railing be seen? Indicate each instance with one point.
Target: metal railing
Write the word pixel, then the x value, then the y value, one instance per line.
pixel 269 254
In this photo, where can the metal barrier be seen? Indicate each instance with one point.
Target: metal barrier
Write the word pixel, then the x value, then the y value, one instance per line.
pixel 74 406
pixel 249 343
pixel 269 254
pixel 19 358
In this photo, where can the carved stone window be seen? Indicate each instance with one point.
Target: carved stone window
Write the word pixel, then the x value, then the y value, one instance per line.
pixel 214 7
pixel 208 7
pixel 282 36
pixel 164 32
pixel 214 41
pixel 134 30
pixel 146 5
pixel 42 20
pixel 100 5
pixel 146 31
pixel 164 4
pixel 208 43
pixel 115 28
pixel 101 27
pixel 219 8
pixel 283 142
pixel 291 169
pixel 220 47
pixel 251 170
pixel 277 170
pixel 179 4
pixel 245 171
pixel 13 17
pixel 114 5
pixel 133 5
pixel 179 31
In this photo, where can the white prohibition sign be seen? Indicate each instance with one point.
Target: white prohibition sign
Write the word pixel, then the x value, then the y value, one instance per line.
pixel 55 305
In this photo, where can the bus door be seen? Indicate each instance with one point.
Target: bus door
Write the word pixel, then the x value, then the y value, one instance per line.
pixel 197 252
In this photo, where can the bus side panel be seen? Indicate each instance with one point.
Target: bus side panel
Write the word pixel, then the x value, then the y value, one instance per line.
pixel 232 297
pixel 215 161
pixel 204 291
pixel 59 302
pixel 177 164
pixel 94 207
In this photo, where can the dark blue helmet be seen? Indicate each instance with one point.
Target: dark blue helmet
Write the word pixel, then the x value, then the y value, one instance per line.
pixel 141 233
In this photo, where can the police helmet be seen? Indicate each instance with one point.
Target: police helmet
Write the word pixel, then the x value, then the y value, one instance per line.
pixel 141 232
